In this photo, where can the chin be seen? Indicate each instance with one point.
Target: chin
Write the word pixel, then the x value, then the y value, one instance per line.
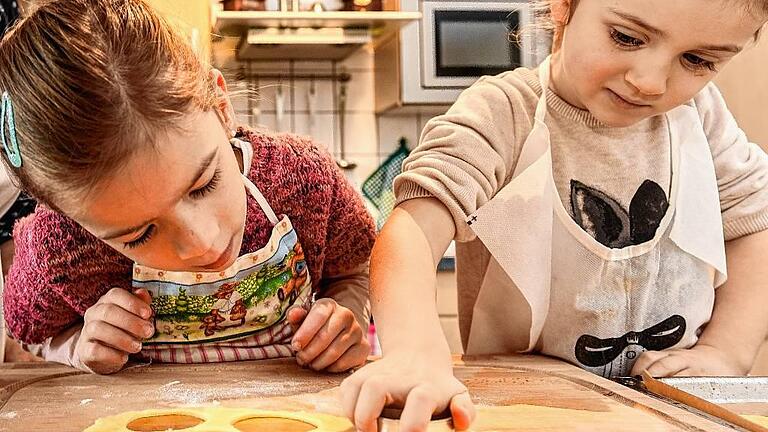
pixel 614 119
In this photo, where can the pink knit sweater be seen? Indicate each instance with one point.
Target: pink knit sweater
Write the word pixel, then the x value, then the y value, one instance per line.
pixel 60 270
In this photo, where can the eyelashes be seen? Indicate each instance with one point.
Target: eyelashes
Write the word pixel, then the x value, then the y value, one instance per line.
pixel 195 194
pixel 209 187
pixel 690 61
pixel 143 239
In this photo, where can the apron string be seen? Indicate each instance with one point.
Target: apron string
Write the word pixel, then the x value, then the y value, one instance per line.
pixel 247 150
pixel 541 106
pixel 261 200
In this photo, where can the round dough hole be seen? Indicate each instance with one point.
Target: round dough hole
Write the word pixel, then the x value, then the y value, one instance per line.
pixel 164 423
pixel 273 424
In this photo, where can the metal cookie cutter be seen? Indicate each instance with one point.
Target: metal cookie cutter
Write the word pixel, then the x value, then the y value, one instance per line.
pixel 390 421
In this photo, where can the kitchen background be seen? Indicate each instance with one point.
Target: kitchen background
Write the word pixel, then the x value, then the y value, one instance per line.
pixel 360 93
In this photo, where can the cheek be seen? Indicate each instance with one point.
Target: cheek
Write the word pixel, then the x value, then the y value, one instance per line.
pixel 231 201
pixel 684 87
pixel 589 67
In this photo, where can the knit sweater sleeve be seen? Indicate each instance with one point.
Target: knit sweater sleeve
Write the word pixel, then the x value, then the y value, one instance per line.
pixel 59 271
pixel 466 155
pixel 740 165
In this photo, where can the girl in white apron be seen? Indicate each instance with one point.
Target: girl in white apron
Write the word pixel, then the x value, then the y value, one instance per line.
pixel 573 257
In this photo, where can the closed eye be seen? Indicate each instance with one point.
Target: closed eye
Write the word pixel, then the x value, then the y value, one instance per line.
pixel 209 187
pixel 145 237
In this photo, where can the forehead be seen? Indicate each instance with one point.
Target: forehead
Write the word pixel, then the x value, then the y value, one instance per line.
pixel 692 22
pixel 154 178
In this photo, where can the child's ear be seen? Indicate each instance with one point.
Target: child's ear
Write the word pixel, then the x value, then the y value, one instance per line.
pixel 561 11
pixel 224 105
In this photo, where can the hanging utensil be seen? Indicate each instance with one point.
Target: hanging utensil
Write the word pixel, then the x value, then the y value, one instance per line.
pixel 279 109
pixel 342 162
pixel 312 108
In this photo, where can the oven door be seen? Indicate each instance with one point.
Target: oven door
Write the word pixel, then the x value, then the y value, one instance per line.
pixel 462 41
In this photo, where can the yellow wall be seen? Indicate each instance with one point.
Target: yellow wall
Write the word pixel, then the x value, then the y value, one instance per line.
pixel 189 15
pixel 744 83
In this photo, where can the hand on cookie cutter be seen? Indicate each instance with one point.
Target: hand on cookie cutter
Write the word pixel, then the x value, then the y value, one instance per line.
pixel 390 421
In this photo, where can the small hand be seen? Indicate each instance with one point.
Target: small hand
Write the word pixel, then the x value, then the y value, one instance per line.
pixel 114 328
pixel 418 382
pixel 700 360
pixel 328 337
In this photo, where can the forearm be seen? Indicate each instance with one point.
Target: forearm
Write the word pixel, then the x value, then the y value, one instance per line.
pixel 739 323
pixel 351 291
pixel 403 267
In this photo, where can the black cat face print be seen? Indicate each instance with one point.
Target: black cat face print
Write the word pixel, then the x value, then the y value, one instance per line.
pixel 606 221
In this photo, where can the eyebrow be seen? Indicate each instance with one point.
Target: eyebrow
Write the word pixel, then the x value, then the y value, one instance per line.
pixel 727 48
pixel 201 170
pixel 639 22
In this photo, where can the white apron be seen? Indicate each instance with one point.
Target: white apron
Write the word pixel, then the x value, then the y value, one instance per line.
pixel 581 301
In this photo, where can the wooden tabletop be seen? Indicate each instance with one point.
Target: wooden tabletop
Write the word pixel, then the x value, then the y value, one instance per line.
pixel 512 393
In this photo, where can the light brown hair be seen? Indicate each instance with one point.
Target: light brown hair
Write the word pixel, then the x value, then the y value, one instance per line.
pixel 92 81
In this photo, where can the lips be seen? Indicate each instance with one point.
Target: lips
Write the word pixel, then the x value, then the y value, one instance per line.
pixel 627 101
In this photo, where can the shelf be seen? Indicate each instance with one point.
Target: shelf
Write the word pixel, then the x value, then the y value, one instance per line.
pixel 235 23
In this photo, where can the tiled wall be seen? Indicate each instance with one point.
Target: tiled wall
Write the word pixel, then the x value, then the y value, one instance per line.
pixel 258 108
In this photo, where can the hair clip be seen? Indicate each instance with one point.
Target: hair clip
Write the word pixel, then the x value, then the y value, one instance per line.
pixel 11 148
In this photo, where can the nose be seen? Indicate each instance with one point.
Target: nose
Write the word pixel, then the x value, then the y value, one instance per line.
pixel 195 236
pixel 648 78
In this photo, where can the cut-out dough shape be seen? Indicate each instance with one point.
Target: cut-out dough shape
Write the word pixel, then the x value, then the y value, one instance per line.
pixel 761 420
pixel 220 419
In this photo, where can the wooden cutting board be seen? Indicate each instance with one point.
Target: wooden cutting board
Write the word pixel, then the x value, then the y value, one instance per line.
pixel 512 394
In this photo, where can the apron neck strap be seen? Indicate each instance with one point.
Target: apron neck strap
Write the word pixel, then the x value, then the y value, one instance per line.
pixel 265 207
pixel 247 150
pixel 544 74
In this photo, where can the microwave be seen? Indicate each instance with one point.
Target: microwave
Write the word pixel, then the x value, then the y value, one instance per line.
pixel 430 61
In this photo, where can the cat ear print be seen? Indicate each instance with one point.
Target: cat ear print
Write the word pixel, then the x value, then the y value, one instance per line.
pixel 647 209
pixel 599 215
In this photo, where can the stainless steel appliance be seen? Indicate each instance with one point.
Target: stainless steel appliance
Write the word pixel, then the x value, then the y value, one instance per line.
pixel 429 62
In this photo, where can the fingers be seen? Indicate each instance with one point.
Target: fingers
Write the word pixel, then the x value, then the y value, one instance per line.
pixel 368 391
pixel 354 357
pixel 143 295
pixel 296 316
pixel 669 366
pixel 334 338
pixel 462 411
pixel 114 328
pixel 108 335
pixel 316 318
pixel 419 406
pixel 349 390
pixel 128 301
pixel 374 395
pixel 101 359
pixel 117 316
pixel 646 359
